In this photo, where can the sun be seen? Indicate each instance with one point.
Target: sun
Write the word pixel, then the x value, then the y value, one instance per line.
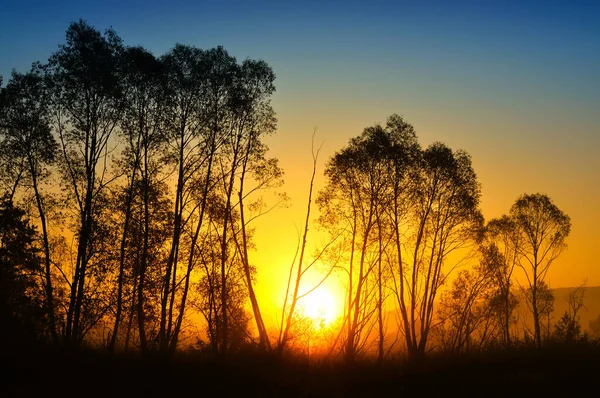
pixel 321 305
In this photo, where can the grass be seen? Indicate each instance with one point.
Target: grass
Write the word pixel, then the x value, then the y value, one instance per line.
pixel 561 371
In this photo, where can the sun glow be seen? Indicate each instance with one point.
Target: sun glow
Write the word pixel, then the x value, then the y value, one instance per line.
pixel 321 305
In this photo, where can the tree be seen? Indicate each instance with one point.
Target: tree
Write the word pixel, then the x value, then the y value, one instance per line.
pixel 252 119
pixel 208 299
pixel 445 219
pixel 594 326
pixel 198 123
pixel 541 229
pixel 216 115
pixel 414 207
pixel 143 81
pixel 297 271
pixel 352 205
pixel 500 246
pixel 464 311
pixel 87 106
pixel 568 328
pixel 27 140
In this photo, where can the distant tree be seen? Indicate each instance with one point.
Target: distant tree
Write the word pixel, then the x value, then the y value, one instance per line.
pixel 594 326
pixel 545 303
pixel 541 229
pixel 500 246
pixel 464 311
pixel 305 334
pixel 568 328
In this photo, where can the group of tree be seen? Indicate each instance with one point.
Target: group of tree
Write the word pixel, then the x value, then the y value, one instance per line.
pixel 480 308
pixel 404 219
pixel 130 182
pixel 137 171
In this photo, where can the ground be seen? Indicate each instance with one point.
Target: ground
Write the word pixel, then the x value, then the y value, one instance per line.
pixel 560 372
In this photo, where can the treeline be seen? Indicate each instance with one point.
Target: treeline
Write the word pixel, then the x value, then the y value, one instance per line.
pixel 92 142
pixel 142 176
pixel 408 218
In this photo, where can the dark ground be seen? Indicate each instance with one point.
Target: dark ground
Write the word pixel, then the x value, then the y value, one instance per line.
pixel 556 372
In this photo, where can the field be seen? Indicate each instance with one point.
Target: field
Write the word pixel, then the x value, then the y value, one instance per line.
pixel 557 372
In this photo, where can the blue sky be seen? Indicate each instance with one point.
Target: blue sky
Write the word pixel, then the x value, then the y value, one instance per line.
pixel 515 83
pixel 548 49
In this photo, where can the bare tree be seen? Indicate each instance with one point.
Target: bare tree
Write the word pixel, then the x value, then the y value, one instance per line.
pixel 291 299
pixel 568 328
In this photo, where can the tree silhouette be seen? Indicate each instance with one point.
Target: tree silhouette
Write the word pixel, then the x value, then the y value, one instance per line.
pixel 161 167
pixel 27 140
pixel 87 98
pixel 291 299
pixel 22 309
pixel 541 229
pixel 465 313
pixel 500 246
pixel 351 205
pixel 446 219
pixel 568 328
pixel 143 86
pixel 404 206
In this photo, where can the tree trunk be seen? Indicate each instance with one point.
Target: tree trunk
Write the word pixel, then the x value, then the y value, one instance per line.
pixel 47 264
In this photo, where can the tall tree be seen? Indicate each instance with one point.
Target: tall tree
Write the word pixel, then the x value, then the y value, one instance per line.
pixel 354 203
pixel 542 229
pixel 87 104
pixel 143 81
pixel 183 84
pixel 197 124
pixel 444 221
pixel 415 207
pixel 256 173
pixel 27 140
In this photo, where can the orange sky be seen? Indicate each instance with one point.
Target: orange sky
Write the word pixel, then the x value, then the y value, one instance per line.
pixel 511 156
pixel 515 84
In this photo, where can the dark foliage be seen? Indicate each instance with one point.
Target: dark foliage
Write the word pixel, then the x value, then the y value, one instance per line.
pixel 22 317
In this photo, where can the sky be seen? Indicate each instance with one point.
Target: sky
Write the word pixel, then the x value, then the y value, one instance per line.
pixel 514 83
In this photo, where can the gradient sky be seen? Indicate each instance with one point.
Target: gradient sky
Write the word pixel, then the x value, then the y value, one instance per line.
pixel 516 84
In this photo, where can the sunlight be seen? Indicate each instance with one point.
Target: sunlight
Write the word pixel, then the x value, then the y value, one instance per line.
pixel 321 304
